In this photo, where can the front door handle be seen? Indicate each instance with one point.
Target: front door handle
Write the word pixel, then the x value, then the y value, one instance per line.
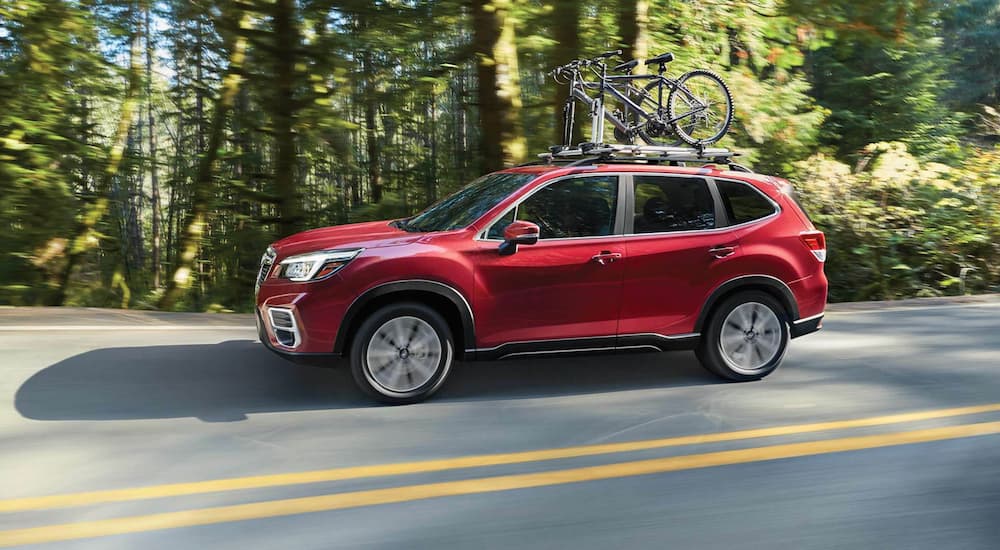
pixel 606 257
pixel 722 251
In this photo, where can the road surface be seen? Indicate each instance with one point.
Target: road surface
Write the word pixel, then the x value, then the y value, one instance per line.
pixel 140 430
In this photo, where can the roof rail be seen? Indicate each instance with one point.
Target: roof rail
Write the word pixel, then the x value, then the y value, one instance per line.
pixel 647 154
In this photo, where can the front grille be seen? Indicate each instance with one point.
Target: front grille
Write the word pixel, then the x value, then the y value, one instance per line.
pixel 266 261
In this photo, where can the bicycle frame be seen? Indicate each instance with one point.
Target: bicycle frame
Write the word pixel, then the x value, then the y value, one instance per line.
pixel 606 85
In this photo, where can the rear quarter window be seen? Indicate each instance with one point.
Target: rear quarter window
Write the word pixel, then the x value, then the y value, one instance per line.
pixel 743 203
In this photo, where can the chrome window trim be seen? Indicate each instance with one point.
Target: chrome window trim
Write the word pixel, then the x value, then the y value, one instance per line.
pixel 623 176
pixel 706 231
pixel 774 203
pixel 717 197
pixel 617 227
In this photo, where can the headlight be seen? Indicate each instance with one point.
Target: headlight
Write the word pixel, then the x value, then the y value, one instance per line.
pixel 315 265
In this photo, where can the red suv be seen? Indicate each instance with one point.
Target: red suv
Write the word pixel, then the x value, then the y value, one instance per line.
pixel 545 260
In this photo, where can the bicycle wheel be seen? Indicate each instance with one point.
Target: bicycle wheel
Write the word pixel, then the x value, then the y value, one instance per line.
pixel 703 107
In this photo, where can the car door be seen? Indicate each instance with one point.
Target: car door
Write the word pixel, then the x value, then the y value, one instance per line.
pixel 678 249
pixel 566 286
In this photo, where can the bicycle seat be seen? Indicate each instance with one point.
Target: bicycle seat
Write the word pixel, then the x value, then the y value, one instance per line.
pixel 661 59
pixel 627 66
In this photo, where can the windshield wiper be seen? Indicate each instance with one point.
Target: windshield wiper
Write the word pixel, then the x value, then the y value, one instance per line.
pixel 405 226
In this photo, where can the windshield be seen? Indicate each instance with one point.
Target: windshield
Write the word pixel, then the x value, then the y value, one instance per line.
pixel 468 204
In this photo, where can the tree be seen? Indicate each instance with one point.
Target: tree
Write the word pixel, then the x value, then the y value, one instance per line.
pixel 971 32
pixel 84 237
pixel 633 27
pixel 499 93
pixel 203 185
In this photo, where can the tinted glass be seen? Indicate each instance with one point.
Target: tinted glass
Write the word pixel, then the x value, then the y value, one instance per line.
pixel 468 204
pixel 574 207
pixel 664 204
pixel 743 203
pixel 496 230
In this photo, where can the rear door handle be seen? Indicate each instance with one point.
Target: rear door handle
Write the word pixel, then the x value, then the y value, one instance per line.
pixel 606 257
pixel 722 251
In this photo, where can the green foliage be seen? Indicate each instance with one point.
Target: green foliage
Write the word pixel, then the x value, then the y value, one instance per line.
pixel 897 227
pixel 359 110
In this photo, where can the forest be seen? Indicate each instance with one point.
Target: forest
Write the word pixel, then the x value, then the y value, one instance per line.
pixel 150 150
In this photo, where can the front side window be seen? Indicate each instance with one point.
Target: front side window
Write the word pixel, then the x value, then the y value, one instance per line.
pixel 664 204
pixel 573 207
pixel 743 203
pixel 468 204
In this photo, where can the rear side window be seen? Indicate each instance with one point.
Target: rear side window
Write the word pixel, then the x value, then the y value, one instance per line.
pixel 664 204
pixel 743 203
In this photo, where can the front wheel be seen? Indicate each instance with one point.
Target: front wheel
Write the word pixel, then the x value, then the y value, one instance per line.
pixel 703 107
pixel 402 353
pixel 745 338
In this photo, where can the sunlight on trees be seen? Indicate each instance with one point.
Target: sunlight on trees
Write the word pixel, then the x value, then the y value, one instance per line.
pixel 151 149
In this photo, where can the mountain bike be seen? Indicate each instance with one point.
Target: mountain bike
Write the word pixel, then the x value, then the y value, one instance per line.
pixel 698 108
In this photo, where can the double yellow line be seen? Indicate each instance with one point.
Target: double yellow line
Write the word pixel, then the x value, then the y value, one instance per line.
pixel 293 506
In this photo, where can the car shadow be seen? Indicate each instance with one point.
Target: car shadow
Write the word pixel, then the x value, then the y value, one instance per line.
pixel 226 381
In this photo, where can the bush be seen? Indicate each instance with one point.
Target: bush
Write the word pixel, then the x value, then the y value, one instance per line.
pixel 900 228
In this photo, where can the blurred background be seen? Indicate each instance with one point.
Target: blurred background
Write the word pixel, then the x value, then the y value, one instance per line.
pixel 151 149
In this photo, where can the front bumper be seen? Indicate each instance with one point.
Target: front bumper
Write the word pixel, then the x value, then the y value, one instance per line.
pixel 303 358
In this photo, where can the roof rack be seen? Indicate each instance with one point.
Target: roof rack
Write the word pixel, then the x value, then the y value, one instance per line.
pixel 647 154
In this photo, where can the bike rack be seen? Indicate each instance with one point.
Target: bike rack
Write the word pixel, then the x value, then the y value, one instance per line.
pixel 648 154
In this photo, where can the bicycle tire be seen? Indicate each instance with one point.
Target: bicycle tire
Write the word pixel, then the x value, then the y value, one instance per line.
pixel 685 131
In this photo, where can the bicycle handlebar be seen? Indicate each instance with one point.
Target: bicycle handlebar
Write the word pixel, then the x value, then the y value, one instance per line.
pixel 577 63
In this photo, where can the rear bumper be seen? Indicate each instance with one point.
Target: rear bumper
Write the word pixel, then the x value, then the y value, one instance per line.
pixel 807 325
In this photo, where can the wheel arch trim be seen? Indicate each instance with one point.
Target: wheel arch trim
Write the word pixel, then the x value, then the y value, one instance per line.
pixel 746 282
pixel 420 285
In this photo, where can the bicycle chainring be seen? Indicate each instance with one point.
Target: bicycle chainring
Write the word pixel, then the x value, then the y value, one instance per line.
pixel 657 129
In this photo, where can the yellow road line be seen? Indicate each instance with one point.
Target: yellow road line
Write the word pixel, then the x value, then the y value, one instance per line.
pixel 356 472
pixel 303 505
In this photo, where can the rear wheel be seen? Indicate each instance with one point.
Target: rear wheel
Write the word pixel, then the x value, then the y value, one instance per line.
pixel 402 353
pixel 745 338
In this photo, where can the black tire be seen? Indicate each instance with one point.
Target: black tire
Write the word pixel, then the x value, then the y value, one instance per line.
pixel 370 378
pixel 677 105
pixel 711 350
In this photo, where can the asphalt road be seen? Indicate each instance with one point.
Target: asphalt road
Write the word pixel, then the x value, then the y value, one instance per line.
pixel 95 404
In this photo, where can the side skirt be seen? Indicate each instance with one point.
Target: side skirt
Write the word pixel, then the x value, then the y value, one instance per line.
pixel 597 344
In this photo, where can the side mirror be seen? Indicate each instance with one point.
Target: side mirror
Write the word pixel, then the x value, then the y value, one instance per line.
pixel 519 232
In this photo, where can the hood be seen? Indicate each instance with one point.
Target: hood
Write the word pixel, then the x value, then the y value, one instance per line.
pixel 355 235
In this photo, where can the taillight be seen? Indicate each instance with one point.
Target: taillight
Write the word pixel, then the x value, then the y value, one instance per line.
pixel 815 241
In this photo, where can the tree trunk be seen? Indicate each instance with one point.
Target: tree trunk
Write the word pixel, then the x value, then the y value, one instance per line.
pixel 153 167
pixel 567 48
pixel 283 111
pixel 633 25
pixel 371 139
pixel 203 186
pixel 501 134
pixel 85 238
